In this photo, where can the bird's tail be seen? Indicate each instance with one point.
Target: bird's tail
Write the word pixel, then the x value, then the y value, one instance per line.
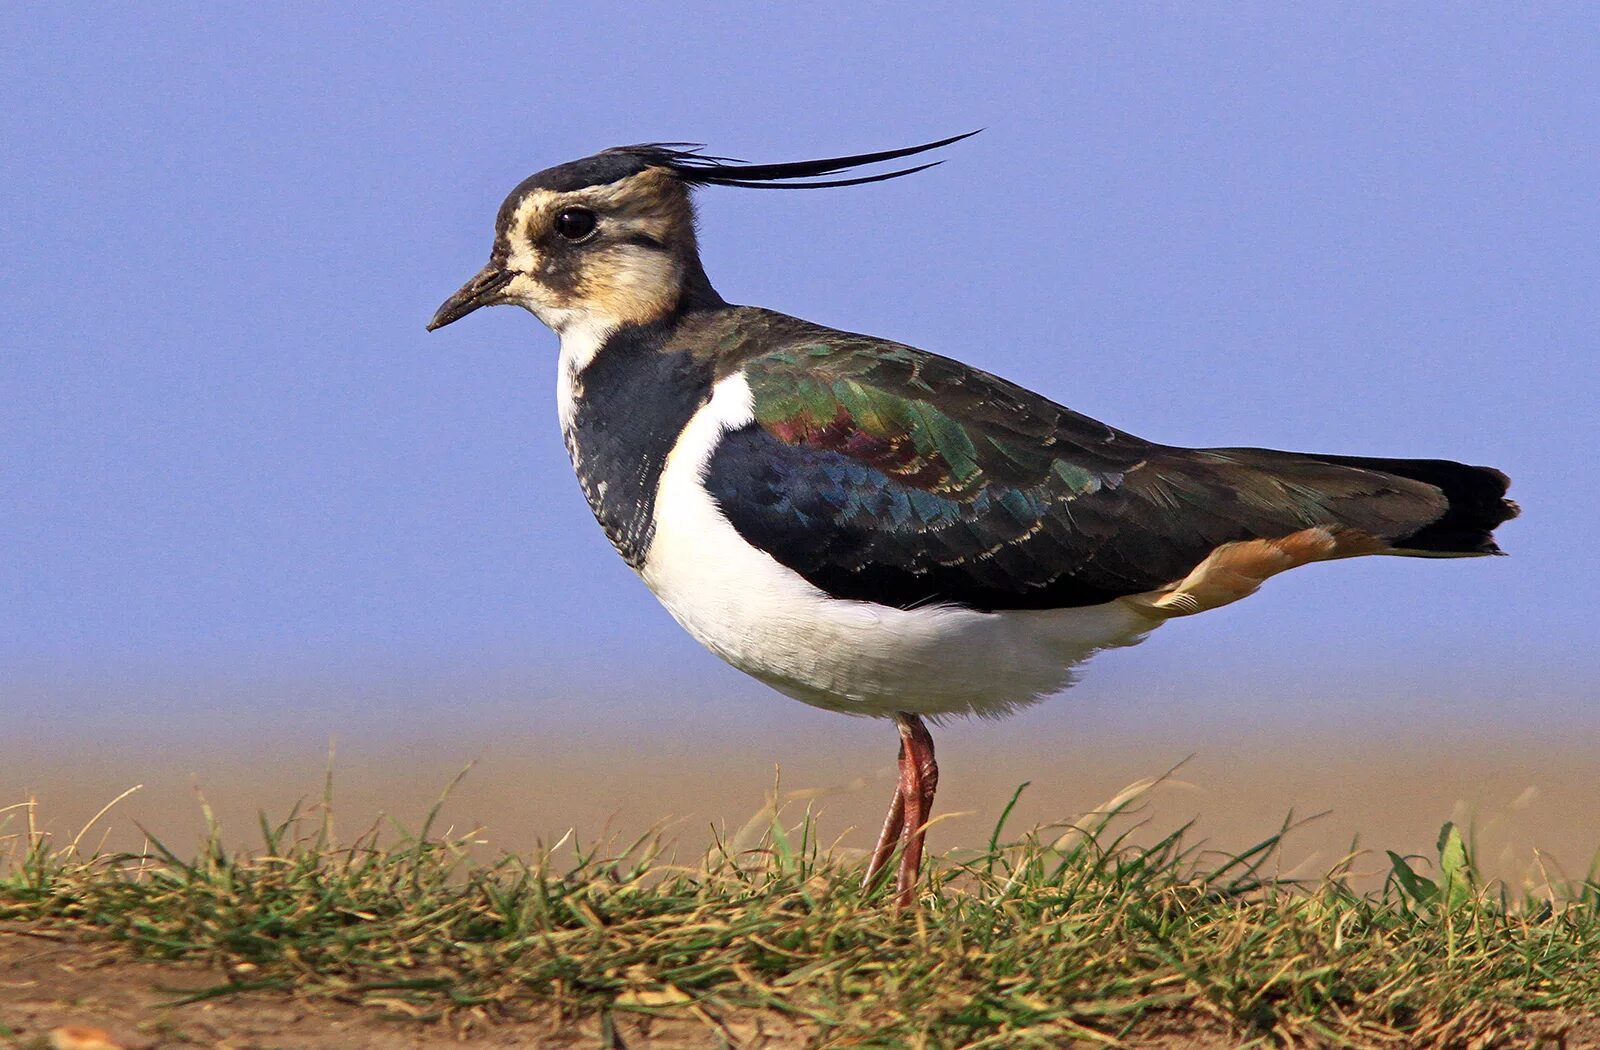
pixel 1314 508
pixel 1476 497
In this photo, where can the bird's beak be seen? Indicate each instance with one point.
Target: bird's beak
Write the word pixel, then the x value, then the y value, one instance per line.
pixel 482 290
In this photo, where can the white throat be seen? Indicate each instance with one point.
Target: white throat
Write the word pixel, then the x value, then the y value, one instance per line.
pixel 581 340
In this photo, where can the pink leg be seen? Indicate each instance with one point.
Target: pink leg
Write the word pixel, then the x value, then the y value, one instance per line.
pixel 919 778
pixel 889 837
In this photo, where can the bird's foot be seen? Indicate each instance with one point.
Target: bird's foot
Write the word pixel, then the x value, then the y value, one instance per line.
pixel 906 823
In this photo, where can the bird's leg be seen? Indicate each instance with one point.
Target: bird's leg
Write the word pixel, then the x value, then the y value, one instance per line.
pixel 893 825
pixel 919 777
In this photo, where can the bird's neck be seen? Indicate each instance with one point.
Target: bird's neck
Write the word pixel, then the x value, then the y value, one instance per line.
pixel 584 334
pixel 697 291
pixel 625 393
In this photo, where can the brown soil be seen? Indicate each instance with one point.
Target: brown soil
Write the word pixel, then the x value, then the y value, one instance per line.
pixel 63 994
pixel 48 983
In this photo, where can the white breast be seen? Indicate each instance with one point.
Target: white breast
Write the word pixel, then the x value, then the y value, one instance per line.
pixel 850 656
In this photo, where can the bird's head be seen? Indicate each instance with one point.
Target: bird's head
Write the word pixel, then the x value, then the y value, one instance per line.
pixel 609 240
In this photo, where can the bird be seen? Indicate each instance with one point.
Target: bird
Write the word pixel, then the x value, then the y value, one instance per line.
pixel 875 529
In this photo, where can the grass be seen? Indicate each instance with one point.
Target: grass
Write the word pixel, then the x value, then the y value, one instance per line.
pixel 1059 934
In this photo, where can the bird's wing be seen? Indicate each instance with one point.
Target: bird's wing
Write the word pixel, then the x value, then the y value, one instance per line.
pixel 883 473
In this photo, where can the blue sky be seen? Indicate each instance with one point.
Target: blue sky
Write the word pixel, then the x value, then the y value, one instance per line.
pixel 237 477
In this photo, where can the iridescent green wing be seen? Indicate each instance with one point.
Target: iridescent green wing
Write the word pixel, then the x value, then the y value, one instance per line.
pixel 884 473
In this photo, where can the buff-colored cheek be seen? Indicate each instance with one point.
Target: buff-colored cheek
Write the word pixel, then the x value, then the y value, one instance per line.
pixel 524 289
pixel 523 257
pixel 630 287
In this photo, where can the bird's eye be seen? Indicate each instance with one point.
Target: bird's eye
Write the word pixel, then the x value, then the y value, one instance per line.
pixel 575 223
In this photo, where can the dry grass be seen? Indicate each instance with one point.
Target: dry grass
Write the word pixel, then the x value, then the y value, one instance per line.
pixel 1066 933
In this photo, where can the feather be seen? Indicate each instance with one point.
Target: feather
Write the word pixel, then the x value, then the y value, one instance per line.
pixel 885 474
pixel 686 161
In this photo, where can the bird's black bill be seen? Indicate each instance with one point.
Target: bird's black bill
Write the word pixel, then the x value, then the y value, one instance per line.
pixel 482 290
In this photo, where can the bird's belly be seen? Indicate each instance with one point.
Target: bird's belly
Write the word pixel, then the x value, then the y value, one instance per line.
pixel 850 656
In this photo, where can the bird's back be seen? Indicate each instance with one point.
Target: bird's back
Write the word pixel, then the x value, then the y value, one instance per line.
pixel 885 473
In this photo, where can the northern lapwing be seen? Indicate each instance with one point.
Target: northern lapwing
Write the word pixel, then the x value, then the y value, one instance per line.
pixel 872 528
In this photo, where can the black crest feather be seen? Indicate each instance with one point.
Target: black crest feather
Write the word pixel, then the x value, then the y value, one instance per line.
pixel 687 162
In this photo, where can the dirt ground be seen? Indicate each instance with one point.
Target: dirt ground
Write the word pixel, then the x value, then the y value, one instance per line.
pixel 60 994
pixel 48 983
